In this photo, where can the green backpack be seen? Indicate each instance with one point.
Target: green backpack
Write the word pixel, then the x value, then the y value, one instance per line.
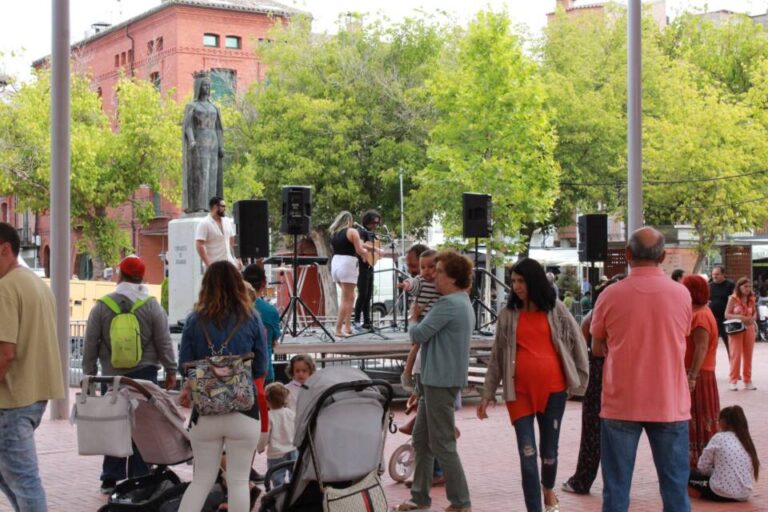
pixel 124 333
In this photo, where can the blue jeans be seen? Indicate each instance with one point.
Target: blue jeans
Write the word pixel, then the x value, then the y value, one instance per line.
pixel 278 477
pixel 669 445
pixel 19 476
pixel 114 468
pixel 549 432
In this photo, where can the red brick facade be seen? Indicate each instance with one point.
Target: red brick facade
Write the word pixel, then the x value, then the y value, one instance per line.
pixel 165 44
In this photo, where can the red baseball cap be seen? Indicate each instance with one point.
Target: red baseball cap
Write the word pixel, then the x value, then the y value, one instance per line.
pixel 132 266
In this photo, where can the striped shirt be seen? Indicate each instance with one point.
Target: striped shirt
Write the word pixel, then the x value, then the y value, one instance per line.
pixel 425 292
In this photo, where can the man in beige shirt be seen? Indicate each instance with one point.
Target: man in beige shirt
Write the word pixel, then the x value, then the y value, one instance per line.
pixel 30 372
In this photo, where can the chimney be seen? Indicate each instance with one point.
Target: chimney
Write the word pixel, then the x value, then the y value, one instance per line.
pixel 565 4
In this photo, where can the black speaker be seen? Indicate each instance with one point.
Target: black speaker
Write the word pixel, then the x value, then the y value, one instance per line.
pixel 593 237
pixel 297 211
pixel 252 220
pixel 477 215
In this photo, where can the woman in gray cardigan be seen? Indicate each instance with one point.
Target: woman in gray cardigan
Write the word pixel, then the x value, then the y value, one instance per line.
pixel 444 336
pixel 540 355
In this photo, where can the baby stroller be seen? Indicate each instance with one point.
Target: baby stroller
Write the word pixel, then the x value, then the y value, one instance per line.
pixel 160 437
pixel 340 420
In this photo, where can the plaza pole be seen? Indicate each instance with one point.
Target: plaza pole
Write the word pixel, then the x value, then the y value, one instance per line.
pixel 60 188
pixel 634 117
pixel 402 216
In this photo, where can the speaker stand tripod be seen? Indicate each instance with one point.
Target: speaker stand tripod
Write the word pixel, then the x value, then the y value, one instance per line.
pixel 291 323
pixel 477 303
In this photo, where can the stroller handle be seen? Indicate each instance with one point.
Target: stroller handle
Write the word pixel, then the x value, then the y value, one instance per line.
pixel 123 380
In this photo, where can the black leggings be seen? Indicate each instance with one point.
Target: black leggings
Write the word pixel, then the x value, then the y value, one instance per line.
pixel 700 482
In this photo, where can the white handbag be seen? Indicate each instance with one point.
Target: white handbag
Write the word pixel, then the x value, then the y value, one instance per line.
pixel 103 422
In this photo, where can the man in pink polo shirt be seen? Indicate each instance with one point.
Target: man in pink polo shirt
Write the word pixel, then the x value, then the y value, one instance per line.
pixel 639 325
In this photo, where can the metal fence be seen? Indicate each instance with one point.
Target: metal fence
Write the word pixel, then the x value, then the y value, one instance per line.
pixel 76 344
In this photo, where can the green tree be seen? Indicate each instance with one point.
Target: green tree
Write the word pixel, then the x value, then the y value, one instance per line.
pixel 342 113
pixel 704 161
pixel 109 160
pixel 726 52
pixel 493 133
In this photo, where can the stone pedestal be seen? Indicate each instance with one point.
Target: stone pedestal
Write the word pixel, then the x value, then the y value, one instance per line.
pixel 185 268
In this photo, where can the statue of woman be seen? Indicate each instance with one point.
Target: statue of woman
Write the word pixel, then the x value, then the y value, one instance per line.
pixel 203 148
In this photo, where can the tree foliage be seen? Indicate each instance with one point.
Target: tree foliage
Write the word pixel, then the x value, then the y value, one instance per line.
pixel 492 134
pixel 342 113
pixel 109 161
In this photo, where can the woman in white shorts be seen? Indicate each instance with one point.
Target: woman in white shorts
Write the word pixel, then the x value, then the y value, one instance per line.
pixel 347 246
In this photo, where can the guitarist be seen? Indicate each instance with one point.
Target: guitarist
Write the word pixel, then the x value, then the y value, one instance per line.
pixel 371 220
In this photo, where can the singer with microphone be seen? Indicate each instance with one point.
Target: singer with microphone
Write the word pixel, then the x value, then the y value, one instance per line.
pixel 215 235
pixel 348 249
pixel 371 220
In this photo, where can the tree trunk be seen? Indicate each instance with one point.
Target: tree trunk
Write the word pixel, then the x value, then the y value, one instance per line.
pixel 328 287
pixel 526 230
pixel 699 262
pixel 96 258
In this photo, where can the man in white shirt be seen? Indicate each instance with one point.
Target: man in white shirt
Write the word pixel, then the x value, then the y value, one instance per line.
pixel 215 236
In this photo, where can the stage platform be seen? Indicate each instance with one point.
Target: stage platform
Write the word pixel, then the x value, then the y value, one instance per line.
pixel 390 345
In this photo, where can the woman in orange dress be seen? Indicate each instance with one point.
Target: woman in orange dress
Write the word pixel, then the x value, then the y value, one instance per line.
pixel 700 352
pixel 541 356
pixel 741 306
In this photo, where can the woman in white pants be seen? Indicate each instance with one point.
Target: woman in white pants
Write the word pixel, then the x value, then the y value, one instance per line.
pixel 225 317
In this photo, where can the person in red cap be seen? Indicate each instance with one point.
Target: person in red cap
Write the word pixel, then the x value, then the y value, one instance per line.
pixel 130 296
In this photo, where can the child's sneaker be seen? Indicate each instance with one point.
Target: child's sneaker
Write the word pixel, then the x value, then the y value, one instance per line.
pixel 749 386
pixel 733 386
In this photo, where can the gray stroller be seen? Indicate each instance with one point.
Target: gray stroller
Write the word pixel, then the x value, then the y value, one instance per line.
pixel 340 432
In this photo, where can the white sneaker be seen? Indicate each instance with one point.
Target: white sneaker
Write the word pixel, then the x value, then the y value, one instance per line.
pixel 749 386
pixel 733 386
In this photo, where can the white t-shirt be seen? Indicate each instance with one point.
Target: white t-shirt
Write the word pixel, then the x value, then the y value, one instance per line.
pixel 729 465
pixel 281 432
pixel 217 239
pixel 294 389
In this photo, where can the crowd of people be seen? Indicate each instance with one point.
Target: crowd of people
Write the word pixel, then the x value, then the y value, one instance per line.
pixel 634 375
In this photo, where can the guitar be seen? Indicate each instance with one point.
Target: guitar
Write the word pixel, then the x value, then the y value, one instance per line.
pixel 373 254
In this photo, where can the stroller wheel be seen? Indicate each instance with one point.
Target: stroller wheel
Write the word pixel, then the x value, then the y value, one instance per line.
pixel 402 462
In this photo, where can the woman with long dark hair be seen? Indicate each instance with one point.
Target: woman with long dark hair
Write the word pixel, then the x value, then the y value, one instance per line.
pixel 540 354
pixel 223 312
pixel 588 461
pixel 729 466
pixel 741 306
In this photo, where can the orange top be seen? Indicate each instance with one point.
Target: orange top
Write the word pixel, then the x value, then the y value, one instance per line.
pixel 538 372
pixel 703 318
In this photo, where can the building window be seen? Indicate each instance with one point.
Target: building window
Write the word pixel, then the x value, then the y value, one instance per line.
pixel 122 59
pixel 117 60
pixel 150 47
pixel 98 91
pixel 159 44
pixel 211 40
pixel 130 55
pixel 155 79
pixel 233 42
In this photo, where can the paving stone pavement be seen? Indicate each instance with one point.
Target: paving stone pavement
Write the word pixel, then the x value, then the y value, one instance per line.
pixel 487 450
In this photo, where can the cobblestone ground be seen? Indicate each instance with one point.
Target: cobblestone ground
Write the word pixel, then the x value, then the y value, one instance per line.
pixel 487 450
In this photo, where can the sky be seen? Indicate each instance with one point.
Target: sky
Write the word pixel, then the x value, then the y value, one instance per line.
pixel 25 31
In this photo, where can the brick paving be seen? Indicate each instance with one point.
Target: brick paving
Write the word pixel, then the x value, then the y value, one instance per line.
pixel 487 449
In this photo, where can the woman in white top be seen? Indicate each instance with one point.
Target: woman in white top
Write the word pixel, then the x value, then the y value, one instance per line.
pixel 728 466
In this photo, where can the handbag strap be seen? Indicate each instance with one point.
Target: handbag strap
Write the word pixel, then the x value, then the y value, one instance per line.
pixel 226 341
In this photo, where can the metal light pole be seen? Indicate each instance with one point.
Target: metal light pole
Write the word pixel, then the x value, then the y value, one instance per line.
pixel 60 185
pixel 634 117
pixel 402 216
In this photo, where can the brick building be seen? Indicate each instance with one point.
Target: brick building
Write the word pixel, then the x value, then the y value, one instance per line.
pixel 165 45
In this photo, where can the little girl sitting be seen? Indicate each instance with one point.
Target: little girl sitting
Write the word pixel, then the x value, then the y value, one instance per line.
pixel 279 441
pixel 728 466
pixel 300 368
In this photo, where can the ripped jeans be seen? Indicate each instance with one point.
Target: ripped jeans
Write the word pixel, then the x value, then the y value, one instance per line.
pixel 549 433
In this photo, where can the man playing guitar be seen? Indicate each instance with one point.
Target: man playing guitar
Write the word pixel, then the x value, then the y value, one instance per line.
pixel 371 220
